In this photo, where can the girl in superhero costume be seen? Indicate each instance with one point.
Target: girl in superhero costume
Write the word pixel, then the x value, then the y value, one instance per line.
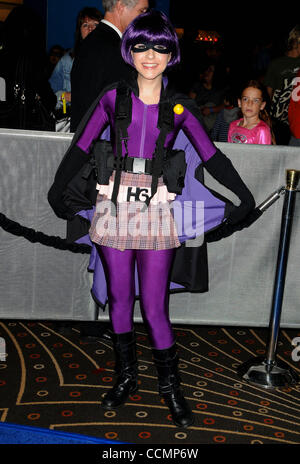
pixel 254 126
pixel 144 179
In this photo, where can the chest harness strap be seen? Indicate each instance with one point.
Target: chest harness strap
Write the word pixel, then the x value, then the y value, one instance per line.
pixel 123 117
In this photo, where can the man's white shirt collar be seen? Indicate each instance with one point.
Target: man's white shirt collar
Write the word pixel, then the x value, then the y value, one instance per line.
pixel 112 25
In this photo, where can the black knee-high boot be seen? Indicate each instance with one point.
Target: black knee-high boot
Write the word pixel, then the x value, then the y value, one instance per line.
pixel 126 369
pixel 166 362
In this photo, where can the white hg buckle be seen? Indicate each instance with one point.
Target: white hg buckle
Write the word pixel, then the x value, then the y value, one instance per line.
pixel 138 165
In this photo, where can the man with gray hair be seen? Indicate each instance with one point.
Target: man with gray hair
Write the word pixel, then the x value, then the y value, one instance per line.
pixel 99 62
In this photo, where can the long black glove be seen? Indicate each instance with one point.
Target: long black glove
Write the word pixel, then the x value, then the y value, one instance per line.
pixel 222 169
pixel 56 203
pixel 71 163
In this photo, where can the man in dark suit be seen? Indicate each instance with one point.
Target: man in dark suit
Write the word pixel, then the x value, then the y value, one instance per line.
pixel 99 61
pixel 98 64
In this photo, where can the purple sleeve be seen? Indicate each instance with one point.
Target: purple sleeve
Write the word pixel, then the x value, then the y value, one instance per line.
pixel 195 132
pixel 95 125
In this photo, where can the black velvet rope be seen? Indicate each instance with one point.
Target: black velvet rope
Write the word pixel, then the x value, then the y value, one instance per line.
pixel 34 236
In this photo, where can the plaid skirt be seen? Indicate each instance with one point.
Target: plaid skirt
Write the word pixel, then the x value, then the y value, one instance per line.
pixel 131 225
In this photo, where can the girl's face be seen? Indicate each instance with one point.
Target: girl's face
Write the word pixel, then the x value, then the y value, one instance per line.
pixel 150 64
pixel 87 26
pixel 251 102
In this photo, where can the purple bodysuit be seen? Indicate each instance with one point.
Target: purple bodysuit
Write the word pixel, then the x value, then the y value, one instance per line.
pixel 188 135
pixel 133 270
pixel 143 130
pixel 142 135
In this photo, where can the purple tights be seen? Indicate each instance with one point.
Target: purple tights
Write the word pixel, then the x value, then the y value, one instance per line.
pixel 153 268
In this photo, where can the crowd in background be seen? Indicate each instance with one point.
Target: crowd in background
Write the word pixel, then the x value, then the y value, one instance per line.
pixel 210 73
pixel 216 75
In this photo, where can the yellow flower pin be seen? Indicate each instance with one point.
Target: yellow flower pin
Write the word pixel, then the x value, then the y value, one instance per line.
pixel 178 109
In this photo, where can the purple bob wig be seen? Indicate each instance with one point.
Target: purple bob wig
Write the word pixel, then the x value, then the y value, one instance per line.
pixel 152 26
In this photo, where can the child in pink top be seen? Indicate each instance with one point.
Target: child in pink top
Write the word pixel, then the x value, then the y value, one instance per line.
pixel 253 127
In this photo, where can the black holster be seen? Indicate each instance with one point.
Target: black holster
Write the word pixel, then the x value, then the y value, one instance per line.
pixel 101 151
pixel 174 169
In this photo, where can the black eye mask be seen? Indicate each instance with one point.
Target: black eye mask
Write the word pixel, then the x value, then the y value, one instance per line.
pixel 143 47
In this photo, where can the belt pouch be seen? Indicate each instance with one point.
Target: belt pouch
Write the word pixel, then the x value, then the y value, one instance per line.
pixel 102 150
pixel 174 169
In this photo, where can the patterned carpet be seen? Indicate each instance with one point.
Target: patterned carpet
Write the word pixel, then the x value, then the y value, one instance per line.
pixel 53 380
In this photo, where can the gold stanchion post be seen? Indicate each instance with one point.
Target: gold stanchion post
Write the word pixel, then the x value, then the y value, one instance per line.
pixel 268 372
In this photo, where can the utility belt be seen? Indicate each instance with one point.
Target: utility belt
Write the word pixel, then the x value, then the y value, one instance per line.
pixel 131 164
pixel 104 162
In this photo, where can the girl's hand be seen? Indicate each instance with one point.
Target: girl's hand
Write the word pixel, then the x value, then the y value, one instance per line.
pixel 240 212
pixel 68 97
